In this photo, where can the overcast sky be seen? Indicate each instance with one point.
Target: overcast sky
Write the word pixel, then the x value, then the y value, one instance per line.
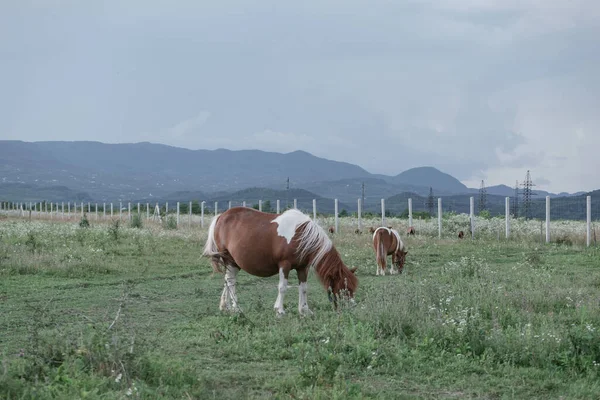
pixel 478 89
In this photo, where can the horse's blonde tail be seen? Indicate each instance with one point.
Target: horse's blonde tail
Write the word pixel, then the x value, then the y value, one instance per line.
pixel 210 248
pixel 381 253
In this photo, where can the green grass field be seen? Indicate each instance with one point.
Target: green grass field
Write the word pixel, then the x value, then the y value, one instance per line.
pixel 115 312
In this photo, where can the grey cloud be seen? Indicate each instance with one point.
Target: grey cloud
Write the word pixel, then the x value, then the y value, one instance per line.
pixel 386 85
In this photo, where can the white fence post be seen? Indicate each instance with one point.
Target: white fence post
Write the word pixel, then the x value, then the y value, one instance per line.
pixel 216 207
pixel 440 217
pixel 128 211
pixel 147 210
pixel 410 222
pixel 177 214
pixel 547 219
pixel 244 203
pixel 336 215
pixel 472 216
pixel 507 215
pixel 111 210
pixel 589 219
pixel 259 205
pixel 202 214
pixel 96 211
pixel 229 205
pixel 314 209
pixel 190 215
pixel 278 207
pixel 120 210
pixel 359 214
pixel 295 203
pixel 103 210
pixel 82 209
pixel 382 212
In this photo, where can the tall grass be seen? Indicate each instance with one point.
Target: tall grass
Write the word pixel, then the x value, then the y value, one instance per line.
pixel 112 311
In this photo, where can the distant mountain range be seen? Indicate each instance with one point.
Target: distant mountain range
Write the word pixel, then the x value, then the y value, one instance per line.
pixel 146 172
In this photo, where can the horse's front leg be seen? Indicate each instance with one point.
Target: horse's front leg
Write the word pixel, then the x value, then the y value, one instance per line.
pixel 302 289
pixel 284 271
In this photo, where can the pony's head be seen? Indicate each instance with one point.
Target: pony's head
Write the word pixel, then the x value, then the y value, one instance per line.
pixel 398 258
pixel 339 280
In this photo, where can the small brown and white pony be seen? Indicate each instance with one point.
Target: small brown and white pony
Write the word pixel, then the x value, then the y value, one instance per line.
pixel 266 244
pixel 387 241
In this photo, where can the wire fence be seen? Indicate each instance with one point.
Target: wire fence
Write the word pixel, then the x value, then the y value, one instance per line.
pixel 565 218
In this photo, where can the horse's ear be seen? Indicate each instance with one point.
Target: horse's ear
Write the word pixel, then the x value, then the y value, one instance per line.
pixel 353 269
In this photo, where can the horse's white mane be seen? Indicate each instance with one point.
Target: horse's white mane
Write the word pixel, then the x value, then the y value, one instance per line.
pixel 312 238
pixel 400 245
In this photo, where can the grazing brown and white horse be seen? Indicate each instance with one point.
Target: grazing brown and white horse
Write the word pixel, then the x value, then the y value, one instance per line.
pixel 387 241
pixel 265 245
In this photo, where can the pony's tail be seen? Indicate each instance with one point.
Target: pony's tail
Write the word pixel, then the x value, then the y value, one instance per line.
pixel 381 253
pixel 210 248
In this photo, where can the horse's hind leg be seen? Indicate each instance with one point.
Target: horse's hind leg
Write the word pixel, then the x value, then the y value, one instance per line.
pixel 392 270
pixel 223 305
pixel 229 289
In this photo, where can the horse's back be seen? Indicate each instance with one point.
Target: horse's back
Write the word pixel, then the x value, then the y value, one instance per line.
pixel 250 237
pixel 383 235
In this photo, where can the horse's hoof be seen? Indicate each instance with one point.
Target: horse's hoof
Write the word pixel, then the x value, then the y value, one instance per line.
pixel 305 312
pixel 280 314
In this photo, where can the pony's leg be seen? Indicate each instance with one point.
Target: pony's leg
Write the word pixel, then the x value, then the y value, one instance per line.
pixel 230 279
pixel 392 270
pixel 284 270
pixel 223 304
pixel 302 289
pixel 381 270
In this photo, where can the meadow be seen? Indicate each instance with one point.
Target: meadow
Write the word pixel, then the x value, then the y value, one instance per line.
pixel 111 311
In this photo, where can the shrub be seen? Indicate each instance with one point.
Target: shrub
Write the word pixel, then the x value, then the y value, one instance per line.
pixel 84 222
pixel 170 222
pixel 113 229
pixel 136 221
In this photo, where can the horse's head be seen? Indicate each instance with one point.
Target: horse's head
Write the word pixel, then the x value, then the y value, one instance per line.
pixel 398 258
pixel 343 286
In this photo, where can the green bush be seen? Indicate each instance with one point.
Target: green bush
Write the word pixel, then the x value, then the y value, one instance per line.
pixel 84 222
pixel 136 221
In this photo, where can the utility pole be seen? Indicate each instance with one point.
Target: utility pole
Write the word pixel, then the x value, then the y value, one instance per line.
pixel 527 193
pixel 287 193
pixel 362 204
pixel 482 197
